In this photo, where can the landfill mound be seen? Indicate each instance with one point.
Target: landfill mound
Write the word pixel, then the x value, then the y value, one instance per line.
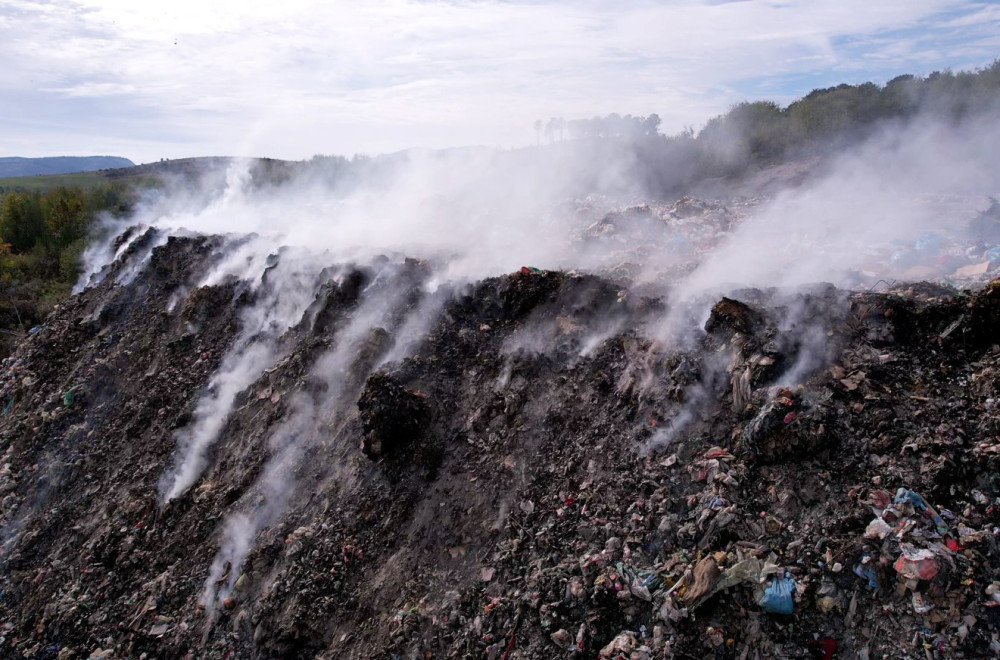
pixel 504 469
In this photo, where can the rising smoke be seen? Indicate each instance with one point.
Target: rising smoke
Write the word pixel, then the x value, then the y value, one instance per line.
pixel 315 419
pixel 477 213
pixel 284 291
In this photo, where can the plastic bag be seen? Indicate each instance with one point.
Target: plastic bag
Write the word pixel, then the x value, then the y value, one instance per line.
pixel 777 598
pixel 869 574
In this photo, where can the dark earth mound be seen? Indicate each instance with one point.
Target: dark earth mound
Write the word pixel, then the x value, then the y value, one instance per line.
pixel 533 478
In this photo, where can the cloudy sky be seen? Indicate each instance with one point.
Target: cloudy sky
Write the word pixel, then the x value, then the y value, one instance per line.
pixel 294 78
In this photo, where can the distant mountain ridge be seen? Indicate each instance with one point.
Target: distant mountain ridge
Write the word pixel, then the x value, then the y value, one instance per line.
pixel 17 166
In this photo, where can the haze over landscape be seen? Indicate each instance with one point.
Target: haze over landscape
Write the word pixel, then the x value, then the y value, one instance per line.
pixel 514 330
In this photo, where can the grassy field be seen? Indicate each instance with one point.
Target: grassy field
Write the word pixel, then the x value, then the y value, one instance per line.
pixel 46 182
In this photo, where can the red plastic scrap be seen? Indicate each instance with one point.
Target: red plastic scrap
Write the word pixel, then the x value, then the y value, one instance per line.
pixel 881 499
pixel 824 648
pixel 923 569
pixel 510 647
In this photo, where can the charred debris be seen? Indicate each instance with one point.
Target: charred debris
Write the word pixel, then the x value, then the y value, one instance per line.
pixel 503 469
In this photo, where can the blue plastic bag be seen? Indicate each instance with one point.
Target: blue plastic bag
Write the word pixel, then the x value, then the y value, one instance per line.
pixel 867 572
pixel 904 495
pixel 777 598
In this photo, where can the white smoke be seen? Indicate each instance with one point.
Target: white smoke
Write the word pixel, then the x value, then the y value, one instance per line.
pixel 291 286
pixel 698 397
pixel 240 368
pixel 872 203
pixel 313 419
pixel 477 213
pixel 875 198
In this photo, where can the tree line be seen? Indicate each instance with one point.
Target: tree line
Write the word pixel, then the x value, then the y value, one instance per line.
pixel 608 126
pixel 762 131
pixel 757 133
pixel 42 239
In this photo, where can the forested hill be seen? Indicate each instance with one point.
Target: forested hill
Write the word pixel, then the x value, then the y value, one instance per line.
pixel 17 166
pixel 760 133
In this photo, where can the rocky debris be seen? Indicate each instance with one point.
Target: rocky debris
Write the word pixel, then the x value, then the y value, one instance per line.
pixel 678 234
pixel 499 490
pixel 966 256
pixel 756 359
pixel 672 238
pixel 392 417
pixel 984 229
pixel 735 317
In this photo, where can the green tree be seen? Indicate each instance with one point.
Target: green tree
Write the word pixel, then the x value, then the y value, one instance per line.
pixel 22 223
pixel 66 215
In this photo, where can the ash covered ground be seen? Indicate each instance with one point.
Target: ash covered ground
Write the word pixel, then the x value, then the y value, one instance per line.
pixel 691 446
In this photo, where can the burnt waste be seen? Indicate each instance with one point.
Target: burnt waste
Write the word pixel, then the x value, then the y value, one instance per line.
pixel 374 464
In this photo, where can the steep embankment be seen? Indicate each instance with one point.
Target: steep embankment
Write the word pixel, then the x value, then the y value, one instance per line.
pixel 507 469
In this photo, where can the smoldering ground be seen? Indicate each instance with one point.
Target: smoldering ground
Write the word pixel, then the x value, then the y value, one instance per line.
pixel 472 214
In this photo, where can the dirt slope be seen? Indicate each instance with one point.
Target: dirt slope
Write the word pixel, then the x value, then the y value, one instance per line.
pixel 507 469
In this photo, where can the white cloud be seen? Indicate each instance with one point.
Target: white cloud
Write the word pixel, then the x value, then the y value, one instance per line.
pixel 294 78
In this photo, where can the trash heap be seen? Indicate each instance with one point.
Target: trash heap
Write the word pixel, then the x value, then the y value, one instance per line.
pixel 672 238
pixel 967 256
pixel 526 475
pixel 677 234
pixel 699 222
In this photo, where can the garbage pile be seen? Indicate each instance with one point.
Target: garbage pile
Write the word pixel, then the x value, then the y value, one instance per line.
pixel 966 255
pixel 513 469
pixel 677 233
pixel 696 221
pixel 672 238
